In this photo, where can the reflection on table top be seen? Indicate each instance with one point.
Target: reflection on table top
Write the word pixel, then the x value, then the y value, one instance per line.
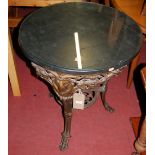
pixel 108 39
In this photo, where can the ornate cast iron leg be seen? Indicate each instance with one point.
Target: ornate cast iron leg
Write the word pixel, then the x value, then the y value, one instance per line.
pixel 67 111
pixel 105 103
pixel 64 85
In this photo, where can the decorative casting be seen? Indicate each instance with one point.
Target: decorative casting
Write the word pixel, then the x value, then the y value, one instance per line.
pixel 65 85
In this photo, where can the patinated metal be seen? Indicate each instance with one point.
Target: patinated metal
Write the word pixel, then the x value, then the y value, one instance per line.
pixel 65 85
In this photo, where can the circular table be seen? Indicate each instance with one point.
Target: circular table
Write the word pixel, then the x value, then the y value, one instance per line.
pixel 108 41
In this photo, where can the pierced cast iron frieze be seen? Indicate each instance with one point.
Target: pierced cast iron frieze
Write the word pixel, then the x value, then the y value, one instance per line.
pixel 65 85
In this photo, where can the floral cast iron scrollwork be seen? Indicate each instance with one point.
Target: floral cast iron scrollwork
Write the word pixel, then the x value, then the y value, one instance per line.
pixel 65 85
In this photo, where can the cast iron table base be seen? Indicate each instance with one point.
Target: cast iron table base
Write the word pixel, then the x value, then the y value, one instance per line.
pixel 65 85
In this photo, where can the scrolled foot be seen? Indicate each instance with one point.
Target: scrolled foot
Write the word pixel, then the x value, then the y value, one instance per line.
pixel 64 143
pixel 108 107
pixel 135 153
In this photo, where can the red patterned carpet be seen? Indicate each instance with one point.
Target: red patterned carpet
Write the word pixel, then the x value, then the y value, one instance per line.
pixel 36 122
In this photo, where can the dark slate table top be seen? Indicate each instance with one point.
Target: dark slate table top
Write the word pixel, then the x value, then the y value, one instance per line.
pixel 108 38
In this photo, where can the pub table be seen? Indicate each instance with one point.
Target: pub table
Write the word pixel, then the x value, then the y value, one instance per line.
pixel 77 47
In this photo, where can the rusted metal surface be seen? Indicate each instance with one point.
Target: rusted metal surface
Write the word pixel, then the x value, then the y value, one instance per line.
pixel 65 85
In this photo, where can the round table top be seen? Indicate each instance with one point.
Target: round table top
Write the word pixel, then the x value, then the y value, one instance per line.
pixel 108 38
